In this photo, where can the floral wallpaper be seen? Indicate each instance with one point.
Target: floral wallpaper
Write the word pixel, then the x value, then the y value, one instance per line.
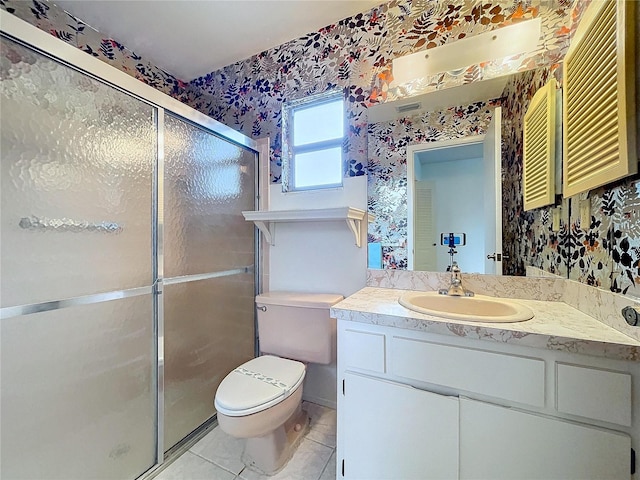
pixel 528 238
pixel 354 55
pixel 387 168
pixel 604 253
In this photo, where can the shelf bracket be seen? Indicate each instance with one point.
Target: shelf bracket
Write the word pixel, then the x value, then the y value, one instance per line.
pixel 355 226
pixel 267 230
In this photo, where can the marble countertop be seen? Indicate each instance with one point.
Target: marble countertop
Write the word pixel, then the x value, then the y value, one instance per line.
pixel 555 326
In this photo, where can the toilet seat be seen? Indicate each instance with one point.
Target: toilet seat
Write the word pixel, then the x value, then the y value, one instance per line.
pixel 257 385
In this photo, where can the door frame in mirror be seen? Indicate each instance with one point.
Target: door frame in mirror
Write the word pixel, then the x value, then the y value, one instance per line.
pixel 412 150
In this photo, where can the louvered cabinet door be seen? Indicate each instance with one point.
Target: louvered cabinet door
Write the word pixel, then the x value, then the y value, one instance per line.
pixel 540 148
pixel 599 96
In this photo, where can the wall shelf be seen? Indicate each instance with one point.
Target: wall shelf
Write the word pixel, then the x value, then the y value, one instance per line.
pixel 266 221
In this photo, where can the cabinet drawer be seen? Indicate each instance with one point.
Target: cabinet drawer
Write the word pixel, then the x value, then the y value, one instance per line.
pixel 518 379
pixel 364 350
pixel 594 393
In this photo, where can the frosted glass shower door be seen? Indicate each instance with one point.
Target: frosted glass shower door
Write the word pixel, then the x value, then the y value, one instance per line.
pixel 78 359
pixel 209 252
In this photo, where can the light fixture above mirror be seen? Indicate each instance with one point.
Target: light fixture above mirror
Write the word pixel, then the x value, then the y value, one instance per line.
pixel 455 57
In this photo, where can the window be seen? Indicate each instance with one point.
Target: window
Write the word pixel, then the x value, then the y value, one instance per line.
pixel 313 133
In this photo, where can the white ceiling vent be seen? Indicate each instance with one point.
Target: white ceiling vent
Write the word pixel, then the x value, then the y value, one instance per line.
pixel 599 95
pixel 540 148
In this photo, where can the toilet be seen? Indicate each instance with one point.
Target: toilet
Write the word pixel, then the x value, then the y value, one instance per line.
pixel 261 400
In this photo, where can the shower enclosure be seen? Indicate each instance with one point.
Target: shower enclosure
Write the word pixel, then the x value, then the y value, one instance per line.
pixel 127 272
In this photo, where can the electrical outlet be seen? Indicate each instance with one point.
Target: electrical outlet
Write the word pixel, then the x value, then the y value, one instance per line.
pixel 556 214
pixel 585 214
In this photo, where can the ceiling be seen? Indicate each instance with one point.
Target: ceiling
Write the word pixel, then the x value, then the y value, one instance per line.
pixel 190 38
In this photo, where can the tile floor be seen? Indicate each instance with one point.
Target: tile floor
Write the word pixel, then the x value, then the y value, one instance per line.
pixel 217 455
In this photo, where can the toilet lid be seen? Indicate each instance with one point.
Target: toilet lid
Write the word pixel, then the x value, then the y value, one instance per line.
pixel 257 385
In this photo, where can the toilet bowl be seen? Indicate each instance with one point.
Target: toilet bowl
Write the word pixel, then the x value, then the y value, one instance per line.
pixel 261 400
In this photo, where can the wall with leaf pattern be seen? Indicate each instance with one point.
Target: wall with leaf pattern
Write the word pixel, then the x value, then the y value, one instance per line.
pixel 355 55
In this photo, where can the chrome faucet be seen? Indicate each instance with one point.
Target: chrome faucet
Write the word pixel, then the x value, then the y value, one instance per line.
pixel 455 287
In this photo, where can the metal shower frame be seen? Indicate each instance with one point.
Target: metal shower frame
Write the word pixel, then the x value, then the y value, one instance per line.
pixel 32 37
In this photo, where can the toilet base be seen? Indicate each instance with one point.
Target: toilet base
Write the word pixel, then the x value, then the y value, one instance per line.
pixel 272 451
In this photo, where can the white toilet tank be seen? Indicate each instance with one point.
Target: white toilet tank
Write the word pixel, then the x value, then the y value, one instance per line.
pixel 297 325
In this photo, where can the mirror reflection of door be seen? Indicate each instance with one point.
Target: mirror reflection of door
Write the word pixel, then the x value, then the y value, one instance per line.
pixel 455 186
pixel 492 161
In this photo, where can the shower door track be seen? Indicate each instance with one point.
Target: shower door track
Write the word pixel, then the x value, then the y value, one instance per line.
pixel 32 37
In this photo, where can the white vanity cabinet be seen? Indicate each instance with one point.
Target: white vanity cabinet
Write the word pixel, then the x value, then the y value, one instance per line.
pixel 500 443
pixel 397 431
pixel 416 405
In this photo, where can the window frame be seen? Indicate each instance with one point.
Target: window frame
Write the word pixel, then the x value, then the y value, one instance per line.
pixel 289 150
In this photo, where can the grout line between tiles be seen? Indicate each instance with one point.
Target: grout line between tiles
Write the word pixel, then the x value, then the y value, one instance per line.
pixel 333 451
pixel 332 447
pixel 214 463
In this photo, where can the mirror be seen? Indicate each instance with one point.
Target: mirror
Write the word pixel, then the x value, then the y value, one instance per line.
pixel 427 179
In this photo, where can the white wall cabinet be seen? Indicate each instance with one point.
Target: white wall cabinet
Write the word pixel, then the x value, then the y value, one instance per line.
pixel 413 405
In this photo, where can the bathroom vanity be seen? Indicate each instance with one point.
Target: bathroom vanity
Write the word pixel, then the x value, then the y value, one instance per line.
pixel 421 396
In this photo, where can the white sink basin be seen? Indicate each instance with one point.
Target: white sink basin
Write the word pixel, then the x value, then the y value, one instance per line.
pixel 473 309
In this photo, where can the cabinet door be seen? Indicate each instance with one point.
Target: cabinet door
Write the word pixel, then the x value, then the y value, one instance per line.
pixel 500 443
pixel 394 431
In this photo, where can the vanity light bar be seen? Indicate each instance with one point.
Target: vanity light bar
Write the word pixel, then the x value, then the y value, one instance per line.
pixel 503 42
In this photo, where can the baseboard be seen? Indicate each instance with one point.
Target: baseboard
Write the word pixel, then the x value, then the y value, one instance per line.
pixel 319 401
